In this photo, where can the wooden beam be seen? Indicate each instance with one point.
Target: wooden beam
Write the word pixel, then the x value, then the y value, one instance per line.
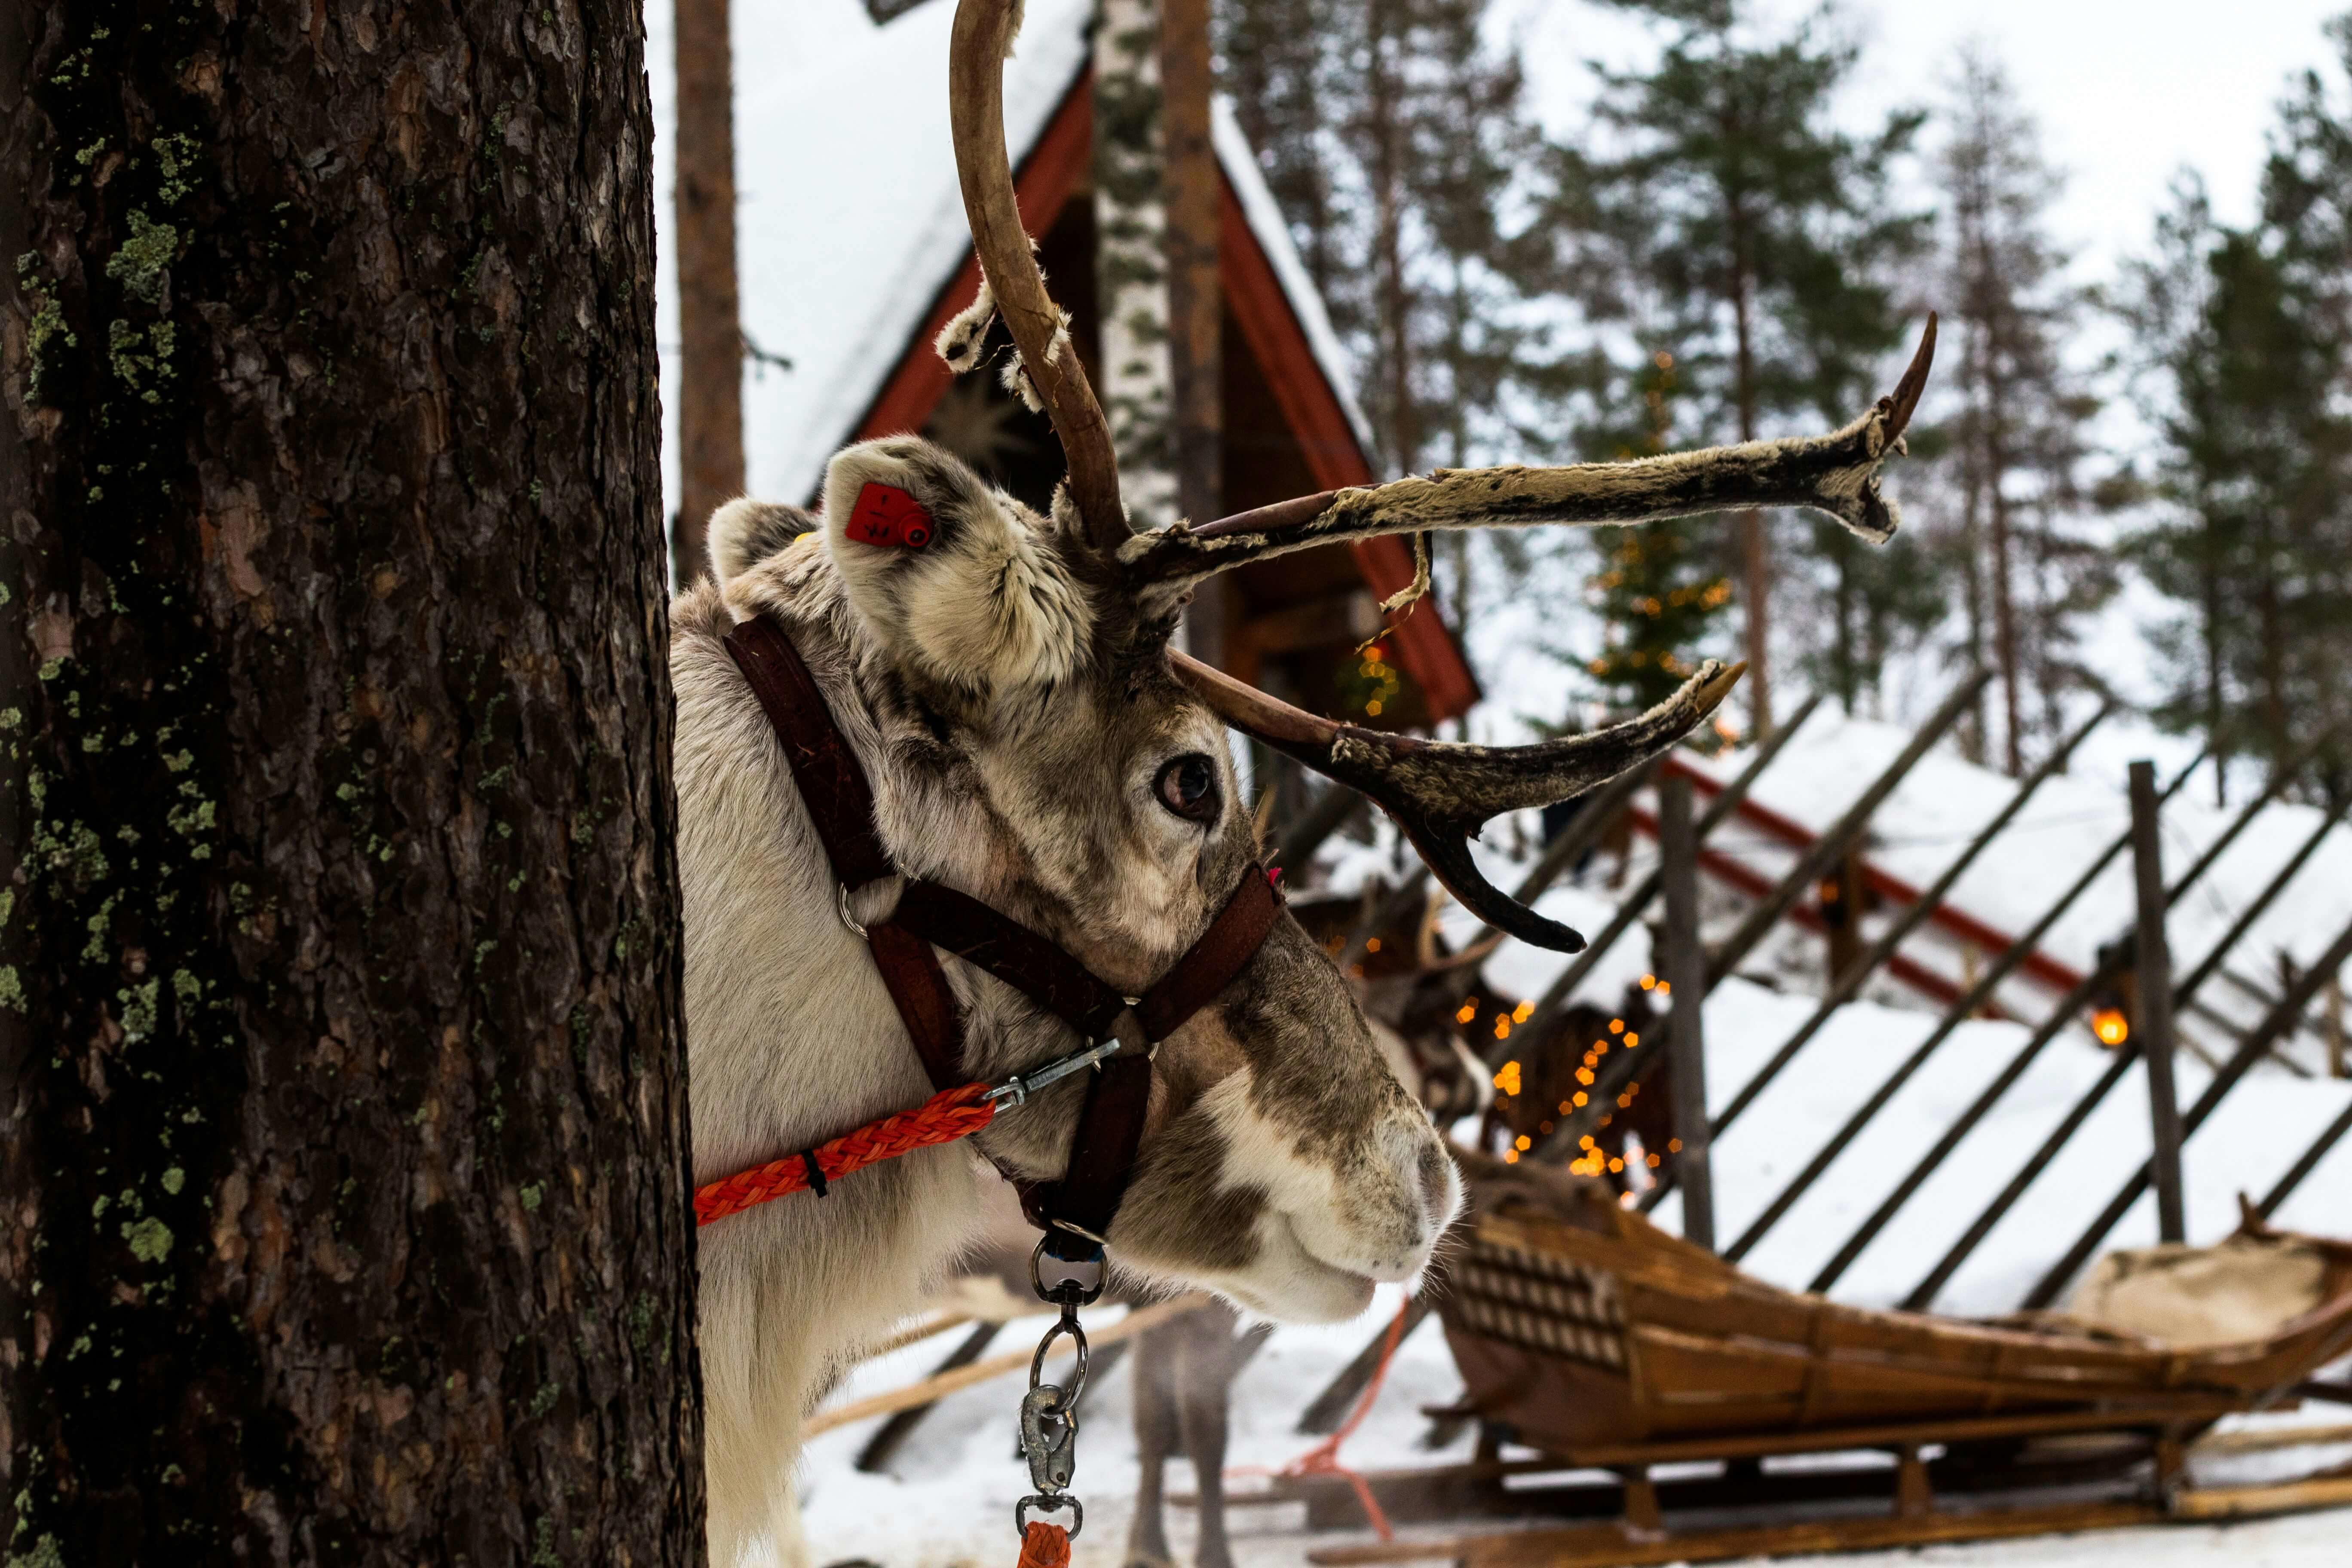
pixel 2153 954
pixel 1609 1546
pixel 1686 975
pixel 1191 186
pixel 941 1385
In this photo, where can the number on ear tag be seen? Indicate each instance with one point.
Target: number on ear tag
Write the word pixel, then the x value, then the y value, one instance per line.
pixel 886 515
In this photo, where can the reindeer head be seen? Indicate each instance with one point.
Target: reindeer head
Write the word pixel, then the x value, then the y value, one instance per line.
pixel 1034 742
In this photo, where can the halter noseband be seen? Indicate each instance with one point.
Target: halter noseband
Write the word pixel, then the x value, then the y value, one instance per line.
pixel 1076 1211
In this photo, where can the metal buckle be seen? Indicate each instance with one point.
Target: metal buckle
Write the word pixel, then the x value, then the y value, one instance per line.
pixel 1048 1502
pixel 842 908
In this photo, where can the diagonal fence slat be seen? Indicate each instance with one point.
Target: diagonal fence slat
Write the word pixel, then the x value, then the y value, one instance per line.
pixel 1629 910
pixel 1924 1292
pixel 2073 1003
pixel 1638 1065
pixel 1954 1016
pixel 2298 996
pixel 1921 910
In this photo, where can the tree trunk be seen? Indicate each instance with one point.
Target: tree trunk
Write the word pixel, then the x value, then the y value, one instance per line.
pixel 1755 545
pixel 1388 194
pixel 341 1041
pixel 710 316
pixel 1195 305
pixel 1130 256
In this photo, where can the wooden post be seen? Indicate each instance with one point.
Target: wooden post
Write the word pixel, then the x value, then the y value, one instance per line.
pixel 710 316
pixel 2154 1023
pixel 1840 901
pixel 1195 312
pixel 2335 993
pixel 1686 974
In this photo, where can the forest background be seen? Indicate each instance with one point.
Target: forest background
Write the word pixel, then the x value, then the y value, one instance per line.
pixel 1539 224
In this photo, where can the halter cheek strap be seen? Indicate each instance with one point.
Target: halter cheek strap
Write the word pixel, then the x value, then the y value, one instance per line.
pixel 840 803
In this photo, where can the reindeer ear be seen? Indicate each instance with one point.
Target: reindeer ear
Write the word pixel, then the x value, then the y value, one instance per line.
pixel 962 581
pixel 744 533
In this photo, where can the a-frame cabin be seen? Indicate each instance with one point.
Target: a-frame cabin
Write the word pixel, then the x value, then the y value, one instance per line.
pixel 864 365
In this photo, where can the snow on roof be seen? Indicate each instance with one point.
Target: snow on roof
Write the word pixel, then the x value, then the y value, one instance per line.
pixel 1239 161
pixel 848 218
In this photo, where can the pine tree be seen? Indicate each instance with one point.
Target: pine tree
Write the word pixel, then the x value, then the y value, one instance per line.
pixel 2248 337
pixel 2015 416
pixel 1716 197
pixel 2254 470
pixel 1657 589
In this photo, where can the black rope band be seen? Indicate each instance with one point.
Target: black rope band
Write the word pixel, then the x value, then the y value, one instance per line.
pixel 816 1172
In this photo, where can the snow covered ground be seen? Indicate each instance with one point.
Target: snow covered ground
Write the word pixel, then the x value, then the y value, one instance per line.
pixel 949 1496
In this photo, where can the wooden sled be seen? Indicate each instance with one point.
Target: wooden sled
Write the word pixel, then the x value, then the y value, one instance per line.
pixel 1587 1333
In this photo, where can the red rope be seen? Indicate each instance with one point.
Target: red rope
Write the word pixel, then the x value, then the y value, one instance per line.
pixel 950 1114
pixel 1323 1459
pixel 1045 1545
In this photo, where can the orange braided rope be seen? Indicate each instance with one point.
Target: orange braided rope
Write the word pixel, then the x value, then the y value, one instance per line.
pixel 1045 1545
pixel 950 1114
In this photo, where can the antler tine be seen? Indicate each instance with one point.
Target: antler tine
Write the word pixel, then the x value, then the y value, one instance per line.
pixel 982 37
pixel 1837 473
pixel 1440 793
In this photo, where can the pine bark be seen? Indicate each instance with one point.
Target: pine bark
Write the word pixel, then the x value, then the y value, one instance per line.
pixel 343 1114
pixel 710 325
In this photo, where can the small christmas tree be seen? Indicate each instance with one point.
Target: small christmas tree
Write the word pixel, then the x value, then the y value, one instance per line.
pixel 1659 593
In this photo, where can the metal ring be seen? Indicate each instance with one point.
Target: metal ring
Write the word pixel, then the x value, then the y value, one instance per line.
pixel 1067 1324
pixel 1069 1292
pixel 843 909
pixel 1049 1503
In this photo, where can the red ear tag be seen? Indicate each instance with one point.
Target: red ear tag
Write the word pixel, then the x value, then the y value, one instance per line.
pixel 886 515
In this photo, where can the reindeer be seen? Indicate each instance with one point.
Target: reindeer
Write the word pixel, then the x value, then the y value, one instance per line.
pixel 1033 743
pixel 1557 1066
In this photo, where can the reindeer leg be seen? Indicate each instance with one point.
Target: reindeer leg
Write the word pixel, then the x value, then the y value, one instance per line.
pixel 1214 1356
pixel 1156 1435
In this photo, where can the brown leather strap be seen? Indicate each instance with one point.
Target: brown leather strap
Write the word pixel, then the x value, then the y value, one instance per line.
pixel 1110 1128
pixel 1014 953
pixel 840 804
pixel 919 989
pixel 1229 944
pixel 832 786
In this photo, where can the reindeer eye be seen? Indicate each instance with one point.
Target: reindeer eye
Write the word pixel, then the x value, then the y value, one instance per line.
pixel 1188 787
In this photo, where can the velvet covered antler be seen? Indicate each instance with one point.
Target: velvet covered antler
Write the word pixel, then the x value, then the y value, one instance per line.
pixel 1836 473
pixel 1439 794
pixel 1011 281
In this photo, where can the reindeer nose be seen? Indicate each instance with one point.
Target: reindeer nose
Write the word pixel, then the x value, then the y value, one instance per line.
pixel 1440 1187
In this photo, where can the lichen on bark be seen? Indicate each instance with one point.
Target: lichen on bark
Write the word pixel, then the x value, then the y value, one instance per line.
pixel 327 492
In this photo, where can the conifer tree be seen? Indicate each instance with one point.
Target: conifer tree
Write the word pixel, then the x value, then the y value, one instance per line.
pixel 1716 187
pixel 2015 416
pixel 2249 348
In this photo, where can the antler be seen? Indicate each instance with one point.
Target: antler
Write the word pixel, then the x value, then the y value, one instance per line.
pixel 1440 792
pixel 981 39
pixel 1837 473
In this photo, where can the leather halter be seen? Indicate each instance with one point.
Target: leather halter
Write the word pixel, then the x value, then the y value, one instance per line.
pixel 840 803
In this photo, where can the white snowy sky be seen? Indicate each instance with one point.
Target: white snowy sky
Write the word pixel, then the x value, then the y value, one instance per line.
pixel 2127 92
